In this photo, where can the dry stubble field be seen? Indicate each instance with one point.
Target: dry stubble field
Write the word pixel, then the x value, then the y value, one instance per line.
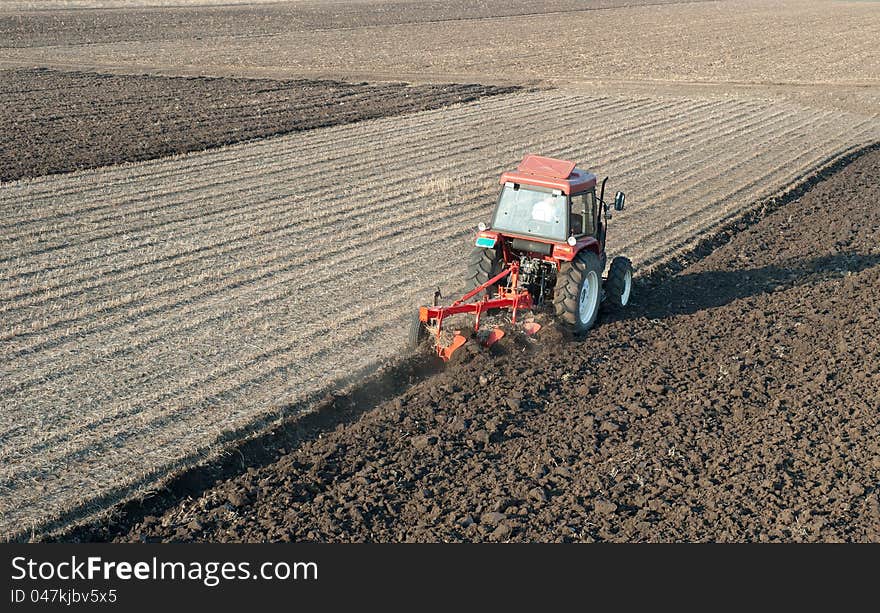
pixel 821 53
pixel 151 310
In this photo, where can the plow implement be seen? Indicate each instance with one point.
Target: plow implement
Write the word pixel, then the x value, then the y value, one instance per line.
pixel 510 296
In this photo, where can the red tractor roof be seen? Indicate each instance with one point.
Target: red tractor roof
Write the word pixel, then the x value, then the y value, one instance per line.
pixel 552 173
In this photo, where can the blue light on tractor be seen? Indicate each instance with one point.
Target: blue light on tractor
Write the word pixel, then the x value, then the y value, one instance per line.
pixel 485 241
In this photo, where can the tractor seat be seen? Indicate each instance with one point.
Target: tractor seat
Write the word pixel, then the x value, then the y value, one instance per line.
pixel 576 224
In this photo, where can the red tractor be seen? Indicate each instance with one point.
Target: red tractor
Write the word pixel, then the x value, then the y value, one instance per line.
pixel 546 245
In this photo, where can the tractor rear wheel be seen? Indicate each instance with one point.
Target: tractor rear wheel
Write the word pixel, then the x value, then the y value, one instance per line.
pixel 578 291
pixel 482 266
pixel 620 280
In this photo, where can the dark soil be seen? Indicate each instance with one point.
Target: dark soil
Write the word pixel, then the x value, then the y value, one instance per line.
pixel 54 122
pixel 738 400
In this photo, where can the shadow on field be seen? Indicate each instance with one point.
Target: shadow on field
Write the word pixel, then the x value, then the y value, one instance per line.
pixel 687 293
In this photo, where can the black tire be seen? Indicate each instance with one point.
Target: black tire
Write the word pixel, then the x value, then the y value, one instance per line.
pixel 583 272
pixel 417 333
pixel 619 283
pixel 482 266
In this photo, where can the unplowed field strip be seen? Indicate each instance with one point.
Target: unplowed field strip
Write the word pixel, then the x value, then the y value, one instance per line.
pixel 47 23
pixel 828 47
pixel 150 309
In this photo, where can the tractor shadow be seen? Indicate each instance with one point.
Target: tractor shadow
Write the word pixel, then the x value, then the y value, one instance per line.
pixel 687 293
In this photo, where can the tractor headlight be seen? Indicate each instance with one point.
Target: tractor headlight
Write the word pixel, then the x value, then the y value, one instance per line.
pixel 572 241
pixel 482 226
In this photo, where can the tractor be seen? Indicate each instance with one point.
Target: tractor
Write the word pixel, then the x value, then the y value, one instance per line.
pixel 545 246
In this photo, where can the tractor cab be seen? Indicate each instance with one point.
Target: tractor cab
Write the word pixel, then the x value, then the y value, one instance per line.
pixel 549 207
pixel 547 200
pixel 546 214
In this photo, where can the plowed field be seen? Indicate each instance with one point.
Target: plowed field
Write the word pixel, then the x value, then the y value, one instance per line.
pixel 735 401
pixel 55 122
pixel 218 254
pixel 153 309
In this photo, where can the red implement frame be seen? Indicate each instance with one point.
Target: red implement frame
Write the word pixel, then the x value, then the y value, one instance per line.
pixel 506 299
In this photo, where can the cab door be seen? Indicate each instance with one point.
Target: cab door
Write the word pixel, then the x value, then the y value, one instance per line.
pixel 584 220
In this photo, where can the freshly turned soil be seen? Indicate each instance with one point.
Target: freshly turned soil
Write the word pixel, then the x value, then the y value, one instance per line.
pixel 738 400
pixel 54 122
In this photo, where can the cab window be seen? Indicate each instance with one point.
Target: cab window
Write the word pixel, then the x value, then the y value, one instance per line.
pixel 583 214
pixel 529 210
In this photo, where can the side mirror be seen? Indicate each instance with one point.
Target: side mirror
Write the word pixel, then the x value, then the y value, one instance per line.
pixel 619 199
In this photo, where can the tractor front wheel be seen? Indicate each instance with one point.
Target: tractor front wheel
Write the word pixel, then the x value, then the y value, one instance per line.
pixel 482 266
pixel 620 281
pixel 578 291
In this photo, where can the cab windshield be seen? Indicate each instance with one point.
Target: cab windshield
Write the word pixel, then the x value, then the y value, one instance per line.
pixel 532 211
